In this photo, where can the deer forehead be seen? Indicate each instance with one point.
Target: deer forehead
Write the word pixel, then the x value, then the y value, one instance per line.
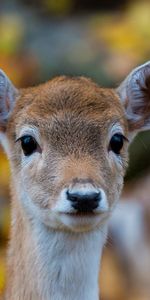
pixel 68 102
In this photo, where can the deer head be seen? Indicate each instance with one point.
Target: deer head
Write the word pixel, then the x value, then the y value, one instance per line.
pixel 67 141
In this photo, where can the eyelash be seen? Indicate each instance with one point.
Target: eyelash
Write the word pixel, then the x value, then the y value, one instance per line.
pixel 117 142
pixel 29 145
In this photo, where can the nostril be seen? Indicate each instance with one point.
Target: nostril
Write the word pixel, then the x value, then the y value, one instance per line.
pixel 86 202
pixel 72 196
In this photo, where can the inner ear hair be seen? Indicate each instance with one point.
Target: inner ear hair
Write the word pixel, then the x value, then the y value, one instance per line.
pixel 146 88
pixel 134 93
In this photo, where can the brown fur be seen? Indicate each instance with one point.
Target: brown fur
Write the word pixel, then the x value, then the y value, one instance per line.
pixel 74 117
pixel 73 121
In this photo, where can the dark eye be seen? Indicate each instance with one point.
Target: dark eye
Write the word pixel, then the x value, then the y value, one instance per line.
pixel 28 144
pixel 116 143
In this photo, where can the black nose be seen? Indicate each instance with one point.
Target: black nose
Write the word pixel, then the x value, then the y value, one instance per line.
pixel 84 202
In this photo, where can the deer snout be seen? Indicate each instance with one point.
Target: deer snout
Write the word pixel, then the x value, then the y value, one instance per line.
pixel 84 200
pixel 82 196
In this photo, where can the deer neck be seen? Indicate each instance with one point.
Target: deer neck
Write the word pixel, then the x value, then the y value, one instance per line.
pixel 45 264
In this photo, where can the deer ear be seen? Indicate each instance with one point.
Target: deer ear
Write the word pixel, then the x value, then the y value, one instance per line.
pixel 134 93
pixel 8 94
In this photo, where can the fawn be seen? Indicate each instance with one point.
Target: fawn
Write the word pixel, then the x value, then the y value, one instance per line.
pixel 67 142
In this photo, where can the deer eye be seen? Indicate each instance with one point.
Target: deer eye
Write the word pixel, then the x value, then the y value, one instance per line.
pixel 28 144
pixel 116 143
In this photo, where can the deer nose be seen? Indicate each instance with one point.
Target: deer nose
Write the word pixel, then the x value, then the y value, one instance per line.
pixel 84 202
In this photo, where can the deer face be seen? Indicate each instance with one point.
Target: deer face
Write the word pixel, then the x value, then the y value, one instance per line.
pixel 67 141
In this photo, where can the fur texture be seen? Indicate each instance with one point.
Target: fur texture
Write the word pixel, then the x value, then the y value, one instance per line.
pixel 54 251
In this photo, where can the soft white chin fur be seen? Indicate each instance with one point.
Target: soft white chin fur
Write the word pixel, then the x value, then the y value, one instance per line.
pixel 67 263
pixel 78 223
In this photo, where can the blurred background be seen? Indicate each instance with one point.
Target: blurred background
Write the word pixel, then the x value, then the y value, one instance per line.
pixel 103 40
